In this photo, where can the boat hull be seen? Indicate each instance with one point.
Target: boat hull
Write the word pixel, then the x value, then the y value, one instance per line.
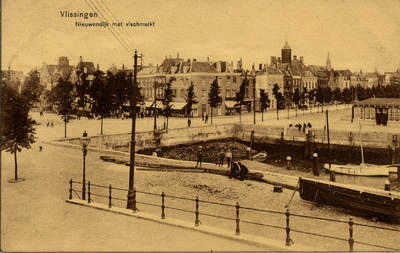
pixel 362 199
pixel 369 170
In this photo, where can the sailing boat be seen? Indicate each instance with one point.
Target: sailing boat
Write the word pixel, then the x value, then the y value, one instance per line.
pixel 362 169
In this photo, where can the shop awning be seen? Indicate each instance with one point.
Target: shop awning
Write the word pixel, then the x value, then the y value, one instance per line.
pixel 231 104
pixel 178 105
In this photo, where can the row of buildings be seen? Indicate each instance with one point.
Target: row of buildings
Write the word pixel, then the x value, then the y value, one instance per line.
pixel 289 72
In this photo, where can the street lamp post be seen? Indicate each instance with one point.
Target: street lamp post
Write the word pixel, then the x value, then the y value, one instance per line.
pixel 85 143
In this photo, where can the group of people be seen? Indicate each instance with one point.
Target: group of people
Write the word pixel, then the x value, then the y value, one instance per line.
pixel 204 117
pixel 238 170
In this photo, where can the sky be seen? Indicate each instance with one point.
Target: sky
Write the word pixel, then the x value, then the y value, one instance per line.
pixel 357 34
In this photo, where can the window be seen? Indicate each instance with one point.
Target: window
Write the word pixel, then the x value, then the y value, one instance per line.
pixel 394 114
pixel 203 81
pixel 358 113
pixel 203 94
pixel 234 79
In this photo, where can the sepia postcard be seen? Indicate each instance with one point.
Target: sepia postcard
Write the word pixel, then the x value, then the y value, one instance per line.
pixel 200 125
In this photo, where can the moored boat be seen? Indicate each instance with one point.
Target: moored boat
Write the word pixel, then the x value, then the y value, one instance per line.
pixel 355 198
pixel 361 170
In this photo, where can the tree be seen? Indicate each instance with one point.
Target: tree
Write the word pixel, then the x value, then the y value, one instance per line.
pixel 328 95
pixel 82 88
pixel 304 95
pixel 288 101
pixel 190 98
pixel 337 96
pixel 319 96
pixel 265 103
pixel 280 100
pixel 346 95
pixel 296 98
pixel 31 89
pixel 62 96
pixel 101 94
pixel 214 99
pixel 361 93
pixel 239 98
pixel 168 96
pixel 17 130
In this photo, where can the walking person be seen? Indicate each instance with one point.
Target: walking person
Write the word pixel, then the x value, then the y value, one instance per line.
pixel 48 123
pixel 206 120
pixel 199 156
pixel 202 116
pixel 52 124
pixel 228 157
pixel 189 121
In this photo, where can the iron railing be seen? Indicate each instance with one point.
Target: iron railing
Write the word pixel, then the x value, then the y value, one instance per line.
pixel 237 208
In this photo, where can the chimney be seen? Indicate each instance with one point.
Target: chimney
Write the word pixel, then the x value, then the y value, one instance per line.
pixel 194 59
pixel 208 59
pixel 294 57
pixel 98 67
pixel 188 60
pixel 80 59
pixel 177 55
pixel 301 59
pixel 260 66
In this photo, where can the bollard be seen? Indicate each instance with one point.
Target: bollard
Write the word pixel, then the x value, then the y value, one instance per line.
pixel 88 198
pixel 387 185
pixel 287 229
pixel 351 240
pixel 332 176
pixel 237 219
pixel 70 189
pixel 398 172
pixel 109 198
pixel 162 206
pixel 288 162
pixel 134 201
pixel 196 222
pixel 315 165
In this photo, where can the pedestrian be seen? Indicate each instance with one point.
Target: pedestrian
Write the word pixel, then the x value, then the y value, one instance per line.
pixel 243 171
pixel 221 158
pixel 199 157
pixel 206 120
pixel 189 122
pixel 234 170
pixel 48 123
pixel 202 116
pixel 52 124
pixel 228 157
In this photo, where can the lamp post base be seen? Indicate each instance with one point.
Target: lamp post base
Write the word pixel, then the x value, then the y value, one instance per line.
pixel 131 203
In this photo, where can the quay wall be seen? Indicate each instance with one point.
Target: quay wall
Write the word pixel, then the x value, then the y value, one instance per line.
pixel 310 138
pixel 154 139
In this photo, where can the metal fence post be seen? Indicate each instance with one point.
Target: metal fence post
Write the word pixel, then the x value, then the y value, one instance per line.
pixel 109 198
pixel 196 222
pixel 287 228
pixel 70 189
pixel 237 219
pixel 351 240
pixel 134 201
pixel 88 200
pixel 162 206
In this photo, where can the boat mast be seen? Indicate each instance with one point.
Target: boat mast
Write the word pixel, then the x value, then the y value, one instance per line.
pixel 362 150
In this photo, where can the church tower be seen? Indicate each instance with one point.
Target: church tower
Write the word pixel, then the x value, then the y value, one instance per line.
pixel 328 64
pixel 286 54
